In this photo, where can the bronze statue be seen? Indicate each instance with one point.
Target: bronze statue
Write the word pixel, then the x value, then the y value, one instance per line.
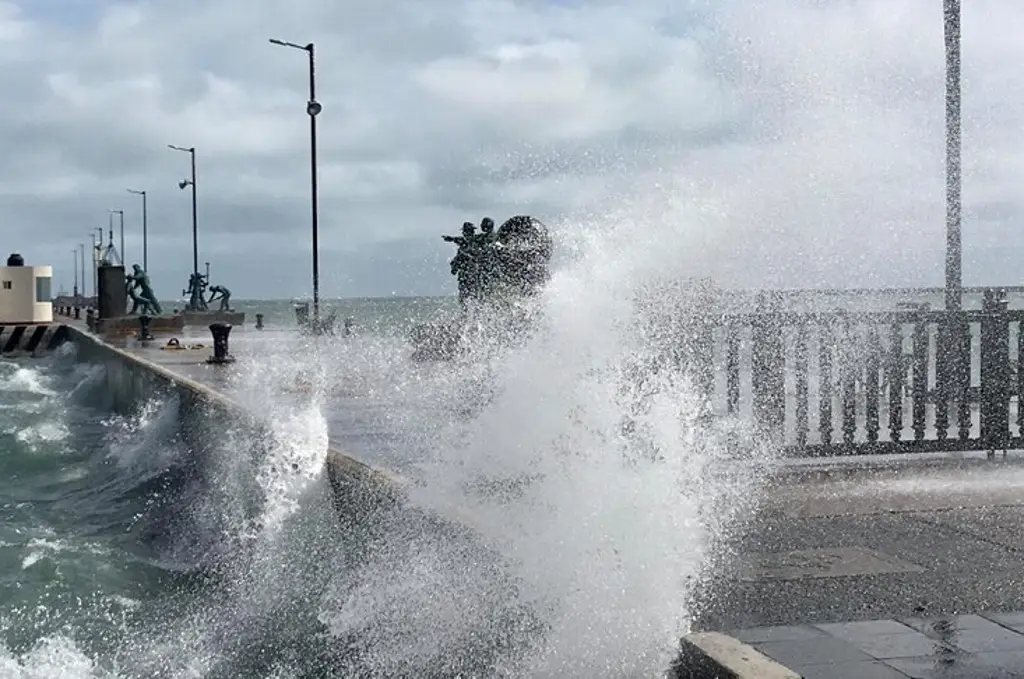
pixel 196 288
pixel 221 293
pixel 139 281
pixel 465 266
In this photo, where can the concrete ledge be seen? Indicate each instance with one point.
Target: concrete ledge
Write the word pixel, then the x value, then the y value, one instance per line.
pixel 713 655
pixel 130 324
pixel 359 480
pixel 33 339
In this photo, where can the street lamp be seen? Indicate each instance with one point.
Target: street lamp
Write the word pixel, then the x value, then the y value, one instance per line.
pixel 145 235
pixel 313 109
pixel 195 215
pixel 74 255
pixel 121 213
pixel 954 255
pixel 97 253
pixel 81 247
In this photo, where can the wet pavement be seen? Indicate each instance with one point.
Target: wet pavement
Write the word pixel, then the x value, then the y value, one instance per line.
pixel 987 646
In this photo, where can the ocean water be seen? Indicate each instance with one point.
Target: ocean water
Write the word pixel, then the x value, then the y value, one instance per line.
pixel 544 538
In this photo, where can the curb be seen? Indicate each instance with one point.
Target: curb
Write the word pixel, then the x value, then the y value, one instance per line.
pixel 713 655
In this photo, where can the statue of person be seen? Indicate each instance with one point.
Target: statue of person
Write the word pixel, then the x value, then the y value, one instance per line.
pixel 130 291
pixel 221 293
pixel 465 266
pixel 150 304
pixel 489 264
pixel 196 288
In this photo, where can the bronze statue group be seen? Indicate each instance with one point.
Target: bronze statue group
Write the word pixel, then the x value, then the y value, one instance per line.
pixel 513 258
pixel 139 291
pixel 198 286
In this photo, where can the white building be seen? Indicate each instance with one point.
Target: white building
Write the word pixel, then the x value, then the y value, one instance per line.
pixel 25 293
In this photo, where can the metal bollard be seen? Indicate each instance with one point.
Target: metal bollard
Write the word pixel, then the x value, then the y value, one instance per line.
pixel 144 333
pixel 220 332
pixel 77 313
pixel 90 319
pixel 259 321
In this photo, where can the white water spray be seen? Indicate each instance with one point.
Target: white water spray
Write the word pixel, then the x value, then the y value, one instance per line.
pixel 607 503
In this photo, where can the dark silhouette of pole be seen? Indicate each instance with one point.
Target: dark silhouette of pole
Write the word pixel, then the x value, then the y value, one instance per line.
pixel 954 253
pixel 145 234
pixel 195 213
pixel 97 255
pixel 120 213
pixel 81 246
pixel 74 256
pixel 313 109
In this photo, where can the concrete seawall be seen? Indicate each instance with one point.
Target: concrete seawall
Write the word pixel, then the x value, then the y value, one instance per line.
pixel 31 339
pixel 205 414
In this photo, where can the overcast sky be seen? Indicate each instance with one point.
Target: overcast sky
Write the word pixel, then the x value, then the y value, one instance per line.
pixel 784 142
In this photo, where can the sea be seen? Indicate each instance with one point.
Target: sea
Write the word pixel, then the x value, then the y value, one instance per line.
pixel 128 550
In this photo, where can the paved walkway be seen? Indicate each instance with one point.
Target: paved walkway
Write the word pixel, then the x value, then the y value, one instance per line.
pixel 967 646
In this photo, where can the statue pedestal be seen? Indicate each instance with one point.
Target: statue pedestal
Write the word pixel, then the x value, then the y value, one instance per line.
pixel 130 324
pixel 205 318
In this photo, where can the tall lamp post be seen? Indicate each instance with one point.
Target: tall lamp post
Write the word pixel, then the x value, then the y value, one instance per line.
pixel 145 234
pixel 81 247
pixel 313 109
pixel 954 254
pixel 97 255
pixel 74 255
pixel 195 214
pixel 121 213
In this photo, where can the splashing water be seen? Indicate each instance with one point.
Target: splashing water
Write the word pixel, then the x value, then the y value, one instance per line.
pixel 607 502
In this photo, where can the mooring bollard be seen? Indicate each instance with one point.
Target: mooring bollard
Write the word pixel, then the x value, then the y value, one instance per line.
pixel 259 321
pixel 220 332
pixel 144 333
pixel 90 319
pixel 78 313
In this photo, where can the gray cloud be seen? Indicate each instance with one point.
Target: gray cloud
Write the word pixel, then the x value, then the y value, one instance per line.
pixel 769 142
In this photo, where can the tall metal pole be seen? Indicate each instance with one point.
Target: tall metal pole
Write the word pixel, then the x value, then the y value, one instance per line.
pixel 313 109
pixel 124 262
pixel 81 246
pixel 954 254
pixel 195 212
pixel 195 216
pixel 96 256
pixel 145 234
pixel 74 256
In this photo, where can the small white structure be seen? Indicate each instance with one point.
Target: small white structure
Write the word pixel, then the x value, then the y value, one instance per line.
pixel 25 293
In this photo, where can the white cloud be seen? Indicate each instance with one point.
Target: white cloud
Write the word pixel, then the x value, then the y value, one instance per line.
pixel 807 136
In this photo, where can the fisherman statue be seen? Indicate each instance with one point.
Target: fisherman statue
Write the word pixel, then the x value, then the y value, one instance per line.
pixel 129 288
pixel 141 293
pixel 223 294
pixel 497 267
pixel 465 266
pixel 196 288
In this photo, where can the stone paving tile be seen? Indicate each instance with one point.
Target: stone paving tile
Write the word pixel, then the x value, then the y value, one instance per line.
pixel 851 670
pixel 965 646
pixel 971 633
pixel 957 667
pixel 886 639
pixel 1014 621
pixel 820 651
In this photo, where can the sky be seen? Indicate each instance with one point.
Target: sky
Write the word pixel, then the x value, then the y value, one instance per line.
pixel 774 142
